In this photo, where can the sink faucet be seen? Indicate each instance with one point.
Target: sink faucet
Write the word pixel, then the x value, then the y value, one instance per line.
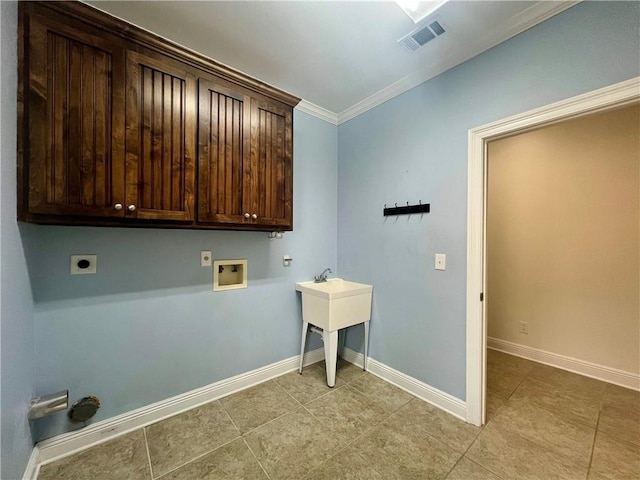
pixel 323 276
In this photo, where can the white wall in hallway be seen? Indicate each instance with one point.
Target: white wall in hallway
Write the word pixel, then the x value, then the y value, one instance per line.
pixel 563 249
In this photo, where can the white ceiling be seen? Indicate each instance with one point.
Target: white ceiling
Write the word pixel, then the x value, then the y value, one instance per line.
pixel 342 58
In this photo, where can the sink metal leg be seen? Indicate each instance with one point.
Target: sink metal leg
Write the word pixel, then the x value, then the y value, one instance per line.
pixel 366 345
pixel 330 355
pixel 305 326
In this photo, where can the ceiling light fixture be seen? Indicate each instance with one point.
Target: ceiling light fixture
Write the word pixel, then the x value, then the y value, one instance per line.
pixel 417 10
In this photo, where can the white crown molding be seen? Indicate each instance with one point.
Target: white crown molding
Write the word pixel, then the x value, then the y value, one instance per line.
pixel 582 367
pixel 72 442
pixel 538 13
pixel 530 17
pixel 429 394
pixel 316 111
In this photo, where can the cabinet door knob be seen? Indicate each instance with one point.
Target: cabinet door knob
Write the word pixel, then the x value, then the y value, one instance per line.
pixel 118 206
pixel 131 208
pixel 254 216
pixel 246 215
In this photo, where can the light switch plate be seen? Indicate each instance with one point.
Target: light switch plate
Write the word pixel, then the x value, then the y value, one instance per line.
pixel 205 258
pixel 441 260
pixel 83 264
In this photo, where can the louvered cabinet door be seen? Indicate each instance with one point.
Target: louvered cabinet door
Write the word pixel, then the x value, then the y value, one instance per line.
pixel 160 135
pixel 223 153
pixel 72 129
pixel 272 164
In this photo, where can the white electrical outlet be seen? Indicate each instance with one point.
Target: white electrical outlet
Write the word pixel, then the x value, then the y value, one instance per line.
pixel 286 260
pixel 441 261
pixel 205 258
pixel 524 328
pixel 83 264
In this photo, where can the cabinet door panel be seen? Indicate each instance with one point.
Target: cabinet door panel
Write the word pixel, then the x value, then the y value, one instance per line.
pixel 160 139
pixel 75 103
pixel 271 163
pixel 223 146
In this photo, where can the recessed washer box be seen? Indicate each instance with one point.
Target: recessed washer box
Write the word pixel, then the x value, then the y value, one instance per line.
pixel 229 274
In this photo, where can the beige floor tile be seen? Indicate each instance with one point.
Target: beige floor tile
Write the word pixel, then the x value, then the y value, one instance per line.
pixel 347 412
pixel 614 459
pixel 124 457
pixel 308 386
pixel 548 430
pixel 451 431
pixel 257 405
pixel 345 371
pixel 366 428
pixel 468 470
pixel 346 465
pixel 494 357
pixel 621 397
pixel 504 379
pixel 290 446
pixel 400 451
pixel 594 475
pixel 381 393
pixel 181 438
pixel 563 380
pixel 494 402
pixel 348 371
pixel 511 456
pixel 561 400
pixel 620 422
pixel 231 461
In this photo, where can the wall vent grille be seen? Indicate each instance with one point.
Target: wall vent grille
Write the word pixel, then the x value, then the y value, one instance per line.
pixel 418 38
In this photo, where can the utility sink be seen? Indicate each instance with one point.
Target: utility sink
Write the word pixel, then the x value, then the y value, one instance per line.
pixel 330 306
pixel 336 303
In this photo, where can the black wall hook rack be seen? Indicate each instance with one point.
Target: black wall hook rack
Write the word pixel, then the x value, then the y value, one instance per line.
pixel 407 209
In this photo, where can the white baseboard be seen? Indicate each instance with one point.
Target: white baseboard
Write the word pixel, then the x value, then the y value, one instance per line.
pixel 432 395
pixel 588 369
pixel 67 444
pixel 72 442
pixel 33 465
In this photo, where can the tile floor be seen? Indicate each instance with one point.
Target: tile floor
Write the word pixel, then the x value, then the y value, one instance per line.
pixel 543 423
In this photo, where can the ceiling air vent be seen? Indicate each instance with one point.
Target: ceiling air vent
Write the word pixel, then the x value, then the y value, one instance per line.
pixel 422 36
pixel 436 27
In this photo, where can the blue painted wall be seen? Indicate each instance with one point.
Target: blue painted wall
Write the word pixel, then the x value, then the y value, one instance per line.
pixel 16 304
pixel 414 147
pixel 148 326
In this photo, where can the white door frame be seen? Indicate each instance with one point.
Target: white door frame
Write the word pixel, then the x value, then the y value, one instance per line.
pixel 606 98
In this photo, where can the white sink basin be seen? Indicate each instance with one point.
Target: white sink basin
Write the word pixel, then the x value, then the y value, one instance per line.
pixel 336 303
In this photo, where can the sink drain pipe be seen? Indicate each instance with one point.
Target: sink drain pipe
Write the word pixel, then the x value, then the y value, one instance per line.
pixel 317 330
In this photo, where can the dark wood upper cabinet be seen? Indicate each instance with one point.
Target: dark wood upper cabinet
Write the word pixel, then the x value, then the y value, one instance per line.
pixel 74 139
pixel 160 145
pixel 271 163
pixel 245 165
pixel 117 126
pixel 223 147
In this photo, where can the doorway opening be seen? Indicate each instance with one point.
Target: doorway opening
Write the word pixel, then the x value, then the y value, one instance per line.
pixel 615 96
